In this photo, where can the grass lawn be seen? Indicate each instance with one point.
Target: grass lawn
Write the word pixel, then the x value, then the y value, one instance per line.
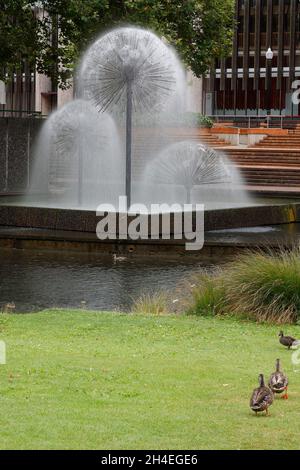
pixel 84 380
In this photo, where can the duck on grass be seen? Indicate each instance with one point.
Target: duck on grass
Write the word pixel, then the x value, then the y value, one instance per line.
pixel 92 380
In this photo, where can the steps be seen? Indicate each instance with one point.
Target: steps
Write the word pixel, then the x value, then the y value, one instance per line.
pixel 262 156
pixel 273 164
pixel 147 144
pixel 267 167
pixel 271 176
pixel 198 135
pixel 292 140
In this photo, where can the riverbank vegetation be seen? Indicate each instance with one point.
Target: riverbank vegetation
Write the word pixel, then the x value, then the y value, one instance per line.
pixel 86 380
pixel 260 286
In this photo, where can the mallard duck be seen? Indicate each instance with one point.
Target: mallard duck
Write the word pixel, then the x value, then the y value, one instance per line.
pixel 117 258
pixel 288 341
pixel 9 308
pixel 278 381
pixel 262 397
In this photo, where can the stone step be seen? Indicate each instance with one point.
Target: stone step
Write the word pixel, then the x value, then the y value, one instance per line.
pixel 265 175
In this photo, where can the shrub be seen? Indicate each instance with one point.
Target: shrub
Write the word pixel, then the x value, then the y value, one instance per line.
pixel 197 120
pixel 205 121
pixel 151 304
pixel 208 295
pixel 265 286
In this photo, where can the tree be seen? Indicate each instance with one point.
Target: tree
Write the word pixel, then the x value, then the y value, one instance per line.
pixel 200 30
pixel 18 36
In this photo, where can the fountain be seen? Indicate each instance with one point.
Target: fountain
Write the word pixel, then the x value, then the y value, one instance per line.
pixel 132 70
pixel 131 85
pixel 207 176
pixel 78 156
pixel 117 138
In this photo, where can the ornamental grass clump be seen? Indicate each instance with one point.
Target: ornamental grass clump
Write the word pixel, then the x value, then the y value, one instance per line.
pixel 151 304
pixel 208 295
pixel 265 286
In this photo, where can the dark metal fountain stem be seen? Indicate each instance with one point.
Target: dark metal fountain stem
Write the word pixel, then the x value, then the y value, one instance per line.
pixel 128 141
pixel 80 174
pixel 188 195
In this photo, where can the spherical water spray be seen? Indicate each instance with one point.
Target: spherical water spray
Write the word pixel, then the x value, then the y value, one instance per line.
pixel 189 164
pixel 130 68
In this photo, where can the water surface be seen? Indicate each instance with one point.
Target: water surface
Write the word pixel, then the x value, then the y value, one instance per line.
pixel 38 280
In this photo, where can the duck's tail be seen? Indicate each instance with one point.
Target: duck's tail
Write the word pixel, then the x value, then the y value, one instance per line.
pixel 296 343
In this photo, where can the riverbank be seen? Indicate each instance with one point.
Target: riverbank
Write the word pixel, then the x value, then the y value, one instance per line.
pixel 85 380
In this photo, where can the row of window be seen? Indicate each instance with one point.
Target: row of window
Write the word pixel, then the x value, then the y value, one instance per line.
pixel 263 22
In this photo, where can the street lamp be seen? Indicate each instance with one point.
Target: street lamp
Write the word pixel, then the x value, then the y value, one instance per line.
pixel 269 54
pixel 269 57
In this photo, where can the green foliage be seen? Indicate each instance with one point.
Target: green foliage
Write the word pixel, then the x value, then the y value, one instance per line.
pixel 265 287
pixel 18 36
pixel 200 30
pixel 262 286
pixel 87 380
pixel 204 121
pixel 188 119
pixel 4 321
pixel 151 304
pixel 208 296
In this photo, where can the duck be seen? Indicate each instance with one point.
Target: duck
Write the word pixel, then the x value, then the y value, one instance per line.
pixel 278 381
pixel 9 308
pixel 117 258
pixel 262 397
pixel 288 341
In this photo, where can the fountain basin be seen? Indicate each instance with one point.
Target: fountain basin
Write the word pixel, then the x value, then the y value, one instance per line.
pixel 85 221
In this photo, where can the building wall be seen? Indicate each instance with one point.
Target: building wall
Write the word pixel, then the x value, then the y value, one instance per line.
pixel 17 138
pixel 194 93
pixel 246 82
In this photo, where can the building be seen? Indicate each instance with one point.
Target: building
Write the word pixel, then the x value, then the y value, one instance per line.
pixel 248 83
pixel 30 93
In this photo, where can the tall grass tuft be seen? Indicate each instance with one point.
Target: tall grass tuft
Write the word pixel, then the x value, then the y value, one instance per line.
pixel 151 304
pixel 208 295
pixel 265 286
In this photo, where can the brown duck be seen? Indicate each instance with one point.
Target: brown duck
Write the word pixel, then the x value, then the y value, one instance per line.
pixel 262 397
pixel 278 381
pixel 288 341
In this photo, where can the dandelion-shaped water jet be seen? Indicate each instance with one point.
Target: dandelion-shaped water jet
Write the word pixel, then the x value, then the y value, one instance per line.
pixel 189 164
pixel 131 69
pixel 77 136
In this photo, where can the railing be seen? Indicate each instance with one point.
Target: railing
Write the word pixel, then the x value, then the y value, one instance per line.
pixel 20 113
pixel 249 122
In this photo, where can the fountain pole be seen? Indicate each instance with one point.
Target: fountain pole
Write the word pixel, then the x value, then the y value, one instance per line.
pixel 80 174
pixel 128 141
pixel 188 195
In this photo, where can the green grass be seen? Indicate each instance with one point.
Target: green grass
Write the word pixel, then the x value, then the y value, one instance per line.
pixel 83 380
pixel 207 296
pixel 151 304
pixel 264 287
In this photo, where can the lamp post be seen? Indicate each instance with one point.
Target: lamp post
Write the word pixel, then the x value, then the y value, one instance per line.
pixel 269 58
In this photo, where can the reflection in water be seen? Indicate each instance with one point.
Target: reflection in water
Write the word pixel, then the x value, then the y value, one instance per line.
pixel 37 280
